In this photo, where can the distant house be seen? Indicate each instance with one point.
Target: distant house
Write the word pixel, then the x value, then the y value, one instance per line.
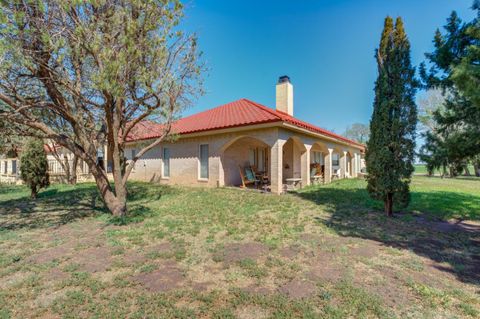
pixel 215 145
pixel 10 166
pixel 9 172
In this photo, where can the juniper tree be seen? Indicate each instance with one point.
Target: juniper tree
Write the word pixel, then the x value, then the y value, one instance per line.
pixel 390 149
pixel 84 74
pixel 34 166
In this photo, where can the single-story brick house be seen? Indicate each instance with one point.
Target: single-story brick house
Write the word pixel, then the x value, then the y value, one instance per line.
pixel 212 146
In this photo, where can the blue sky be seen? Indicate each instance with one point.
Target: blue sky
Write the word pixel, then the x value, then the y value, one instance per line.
pixel 325 46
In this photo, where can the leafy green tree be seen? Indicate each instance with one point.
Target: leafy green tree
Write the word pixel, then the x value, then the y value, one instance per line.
pixel 34 166
pixel 453 67
pixel 84 74
pixel 358 132
pixel 390 149
pixel 466 73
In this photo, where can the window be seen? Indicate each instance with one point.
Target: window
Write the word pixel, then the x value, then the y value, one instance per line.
pixel 166 162
pixel 252 156
pixel 5 166
pixel 204 161
pixel 317 158
pixel 261 160
pixel 134 153
pixel 14 167
pixel 258 157
pixel 335 160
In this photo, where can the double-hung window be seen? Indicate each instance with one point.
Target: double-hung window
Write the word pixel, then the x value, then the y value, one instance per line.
pixel 203 161
pixel 14 167
pixel 166 162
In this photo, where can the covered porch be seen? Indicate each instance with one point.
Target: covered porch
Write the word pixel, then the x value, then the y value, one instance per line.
pixel 285 164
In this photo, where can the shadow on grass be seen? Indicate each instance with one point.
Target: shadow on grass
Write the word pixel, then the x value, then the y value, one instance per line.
pixel 354 214
pixel 60 204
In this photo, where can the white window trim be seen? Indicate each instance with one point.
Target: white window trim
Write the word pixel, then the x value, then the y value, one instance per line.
pixel 199 168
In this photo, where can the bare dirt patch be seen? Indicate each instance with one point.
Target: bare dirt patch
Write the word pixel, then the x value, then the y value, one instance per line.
pixel 367 249
pixel 55 274
pixel 298 289
pixel 131 258
pixel 290 252
pixel 168 277
pixel 240 251
pixel 202 286
pixel 51 254
pixel 93 259
pixel 325 268
pixel 450 226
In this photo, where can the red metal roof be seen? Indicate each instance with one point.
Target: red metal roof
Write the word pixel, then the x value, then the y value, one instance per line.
pixel 238 113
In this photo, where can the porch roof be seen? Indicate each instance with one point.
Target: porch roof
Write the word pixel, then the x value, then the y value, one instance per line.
pixel 242 112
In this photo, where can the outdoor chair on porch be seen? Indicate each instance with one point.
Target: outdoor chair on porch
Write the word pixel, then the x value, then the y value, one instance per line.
pixel 248 177
pixel 336 174
pixel 262 176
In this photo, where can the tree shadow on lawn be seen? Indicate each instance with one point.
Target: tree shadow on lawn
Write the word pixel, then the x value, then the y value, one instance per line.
pixel 60 205
pixel 354 214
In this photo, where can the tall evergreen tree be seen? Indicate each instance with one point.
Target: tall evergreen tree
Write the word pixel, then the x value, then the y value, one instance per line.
pixel 34 166
pixel 390 149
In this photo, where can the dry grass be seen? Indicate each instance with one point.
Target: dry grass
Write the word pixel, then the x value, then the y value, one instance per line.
pixel 223 253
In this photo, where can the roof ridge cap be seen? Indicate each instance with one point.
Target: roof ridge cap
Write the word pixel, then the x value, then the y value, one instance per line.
pixel 263 107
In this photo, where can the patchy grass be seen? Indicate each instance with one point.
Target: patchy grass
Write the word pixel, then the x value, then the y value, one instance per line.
pixel 325 251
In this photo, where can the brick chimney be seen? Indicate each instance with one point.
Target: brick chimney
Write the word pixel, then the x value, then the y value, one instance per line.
pixel 284 95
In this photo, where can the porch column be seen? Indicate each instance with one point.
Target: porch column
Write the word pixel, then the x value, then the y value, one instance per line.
pixel 343 165
pixel 221 172
pixel 328 166
pixel 355 165
pixel 276 167
pixel 305 162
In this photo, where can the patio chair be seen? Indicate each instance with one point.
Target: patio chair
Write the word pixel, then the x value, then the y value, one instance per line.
pixel 248 177
pixel 262 176
pixel 336 174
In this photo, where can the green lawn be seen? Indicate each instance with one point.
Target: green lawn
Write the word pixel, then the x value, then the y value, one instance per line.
pixel 421 169
pixel 325 251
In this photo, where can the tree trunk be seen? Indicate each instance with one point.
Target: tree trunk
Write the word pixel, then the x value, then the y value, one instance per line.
pixel 117 204
pixel 476 168
pixel 452 171
pixel 66 168
pixel 34 192
pixel 389 205
pixel 73 173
